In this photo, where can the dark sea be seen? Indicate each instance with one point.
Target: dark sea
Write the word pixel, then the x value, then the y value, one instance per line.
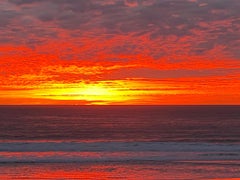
pixel 120 142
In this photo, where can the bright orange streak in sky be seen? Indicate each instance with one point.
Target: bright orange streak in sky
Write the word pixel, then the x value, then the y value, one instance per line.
pixel 30 78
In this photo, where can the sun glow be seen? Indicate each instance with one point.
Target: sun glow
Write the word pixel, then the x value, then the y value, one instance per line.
pixel 113 92
pixel 90 93
pixel 96 90
pixel 122 92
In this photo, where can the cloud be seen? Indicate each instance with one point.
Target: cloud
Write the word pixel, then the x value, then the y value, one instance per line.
pixel 176 33
pixel 94 40
pixel 7 13
pixel 35 22
pixel 84 70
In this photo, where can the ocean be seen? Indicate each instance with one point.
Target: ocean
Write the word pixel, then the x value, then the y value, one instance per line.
pixel 120 142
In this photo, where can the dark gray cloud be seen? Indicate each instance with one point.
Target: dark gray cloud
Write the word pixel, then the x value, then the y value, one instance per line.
pixel 204 24
pixel 179 73
pixel 7 14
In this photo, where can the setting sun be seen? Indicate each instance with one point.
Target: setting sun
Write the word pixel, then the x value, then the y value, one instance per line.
pixel 95 90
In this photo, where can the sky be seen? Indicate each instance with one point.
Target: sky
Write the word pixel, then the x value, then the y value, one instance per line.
pixel 127 52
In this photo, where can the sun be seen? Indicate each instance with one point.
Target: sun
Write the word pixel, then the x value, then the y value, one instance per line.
pixel 99 94
pixel 95 90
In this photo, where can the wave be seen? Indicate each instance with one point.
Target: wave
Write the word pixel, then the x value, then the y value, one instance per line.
pixel 56 152
pixel 116 146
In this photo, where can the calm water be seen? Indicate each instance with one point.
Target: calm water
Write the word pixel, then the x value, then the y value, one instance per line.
pixel 119 142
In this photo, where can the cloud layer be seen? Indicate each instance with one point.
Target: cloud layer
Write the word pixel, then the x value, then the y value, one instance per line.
pixel 68 41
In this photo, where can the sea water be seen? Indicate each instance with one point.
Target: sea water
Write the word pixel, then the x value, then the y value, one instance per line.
pixel 119 142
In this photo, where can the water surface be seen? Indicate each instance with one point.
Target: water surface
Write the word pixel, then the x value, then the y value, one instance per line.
pixel 119 142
